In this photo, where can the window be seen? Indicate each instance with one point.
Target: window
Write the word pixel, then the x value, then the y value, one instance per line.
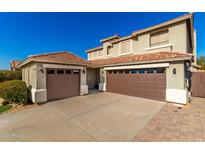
pixel 75 71
pixel 110 72
pixel 121 72
pixel 60 71
pixel 141 71
pixel 160 70
pixel 114 72
pixel 159 38
pixel 150 70
pixel 125 47
pixel 50 71
pixel 134 71
pixel 68 71
pixel 109 50
pixel 127 71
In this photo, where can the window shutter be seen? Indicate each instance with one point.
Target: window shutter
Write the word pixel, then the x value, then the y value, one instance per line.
pixel 159 38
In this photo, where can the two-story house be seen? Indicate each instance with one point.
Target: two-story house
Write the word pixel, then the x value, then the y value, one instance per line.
pixel 152 63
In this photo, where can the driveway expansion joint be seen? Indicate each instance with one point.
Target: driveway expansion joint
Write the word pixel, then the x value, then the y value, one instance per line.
pixel 71 120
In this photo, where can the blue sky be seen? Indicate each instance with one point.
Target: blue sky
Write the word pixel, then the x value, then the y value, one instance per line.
pixel 23 34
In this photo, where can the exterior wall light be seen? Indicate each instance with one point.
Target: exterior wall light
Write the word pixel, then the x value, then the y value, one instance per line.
pixel 174 71
pixel 41 70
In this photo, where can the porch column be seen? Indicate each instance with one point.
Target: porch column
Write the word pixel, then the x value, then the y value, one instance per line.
pixel 103 80
pixel 83 83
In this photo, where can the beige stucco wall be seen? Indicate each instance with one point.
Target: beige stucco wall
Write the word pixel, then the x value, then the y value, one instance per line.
pixel 83 82
pixel 178 37
pixel 41 76
pixel 36 82
pixel 115 50
pixel 141 43
pixel 103 80
pixel 175 81
pixel 29 75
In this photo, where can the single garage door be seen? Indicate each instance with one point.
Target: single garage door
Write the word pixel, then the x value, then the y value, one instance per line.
pixel 62 83
pixel 146 83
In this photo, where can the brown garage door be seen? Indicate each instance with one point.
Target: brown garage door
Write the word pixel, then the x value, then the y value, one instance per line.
pixel 62 84
pixel 146 83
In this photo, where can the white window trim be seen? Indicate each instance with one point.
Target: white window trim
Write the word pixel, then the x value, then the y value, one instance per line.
pixel 127 52
pixel 110 55
pixel 159 46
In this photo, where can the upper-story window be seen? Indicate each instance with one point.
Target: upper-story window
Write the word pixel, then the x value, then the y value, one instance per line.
pixel 125 47
pixel 159 38
pixel 109 50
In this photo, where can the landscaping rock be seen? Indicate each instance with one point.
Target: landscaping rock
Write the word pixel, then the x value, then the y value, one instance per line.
pixel 3 102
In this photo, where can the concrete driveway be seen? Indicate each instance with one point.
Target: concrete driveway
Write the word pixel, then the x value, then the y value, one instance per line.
pixel 95 117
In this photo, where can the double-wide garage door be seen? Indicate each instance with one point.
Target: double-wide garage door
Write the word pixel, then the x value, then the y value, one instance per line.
pixel 62 83
pixel 146 83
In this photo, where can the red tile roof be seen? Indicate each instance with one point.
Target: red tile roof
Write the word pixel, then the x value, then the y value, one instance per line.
pixel 60 57
pixel 15 63
pixel 140 58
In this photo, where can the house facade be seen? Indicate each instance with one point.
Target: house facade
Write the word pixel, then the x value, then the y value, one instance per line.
pixel 152 63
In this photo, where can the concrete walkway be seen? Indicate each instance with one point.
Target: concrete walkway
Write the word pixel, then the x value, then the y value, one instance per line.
pixel 94 117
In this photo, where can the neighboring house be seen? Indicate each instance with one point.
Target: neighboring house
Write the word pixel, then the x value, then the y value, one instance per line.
pixel 151 63
pixel 15 65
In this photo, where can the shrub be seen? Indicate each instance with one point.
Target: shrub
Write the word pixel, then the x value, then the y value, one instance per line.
pixel 201 62
pixel 10 75
pixel 15 91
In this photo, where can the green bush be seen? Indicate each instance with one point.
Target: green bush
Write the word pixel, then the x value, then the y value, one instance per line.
pixel 10 75
pixel 15 91
pixel 201 62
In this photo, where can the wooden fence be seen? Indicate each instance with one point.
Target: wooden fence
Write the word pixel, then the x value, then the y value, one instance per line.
pixel 198 84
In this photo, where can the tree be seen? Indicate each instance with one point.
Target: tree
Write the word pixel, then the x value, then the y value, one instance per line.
pixel 201 62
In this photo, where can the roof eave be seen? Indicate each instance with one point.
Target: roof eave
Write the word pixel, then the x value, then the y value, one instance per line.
pixel 145 62
pixel 185 17
pixel 94 49
pixel 51 61
pixel 121 39
pixel 109 38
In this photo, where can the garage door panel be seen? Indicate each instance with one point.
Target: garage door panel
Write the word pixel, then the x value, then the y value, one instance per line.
pixel 151 85
pixel 61 86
